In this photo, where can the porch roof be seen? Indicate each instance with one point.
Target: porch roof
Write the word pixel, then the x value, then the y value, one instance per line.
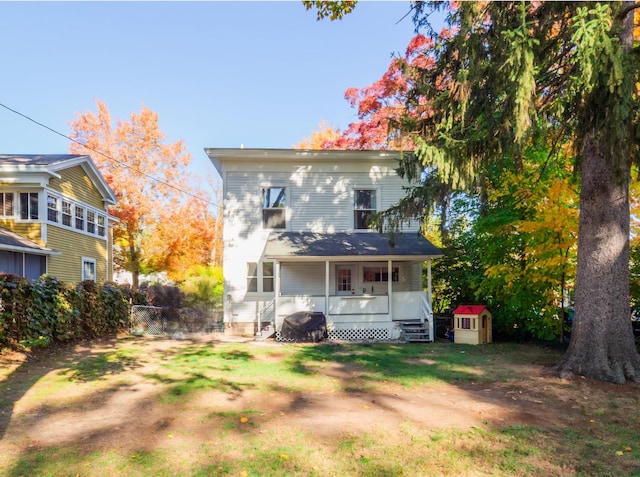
pixel 344 246
pixel 12 242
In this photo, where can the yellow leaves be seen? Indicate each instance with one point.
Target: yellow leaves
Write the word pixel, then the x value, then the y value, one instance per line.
pixel 244 419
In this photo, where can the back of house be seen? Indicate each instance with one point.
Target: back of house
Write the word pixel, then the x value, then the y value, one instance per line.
pixel 297 238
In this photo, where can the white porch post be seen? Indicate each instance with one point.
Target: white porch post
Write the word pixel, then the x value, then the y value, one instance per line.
pixel 276 289
pixel 429 282
pixel 326 288
pixel 390 286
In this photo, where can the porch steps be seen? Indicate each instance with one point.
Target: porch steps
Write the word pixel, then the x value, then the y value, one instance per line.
pixel 415 331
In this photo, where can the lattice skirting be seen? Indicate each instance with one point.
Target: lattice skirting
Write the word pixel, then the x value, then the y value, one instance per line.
pixel 362 334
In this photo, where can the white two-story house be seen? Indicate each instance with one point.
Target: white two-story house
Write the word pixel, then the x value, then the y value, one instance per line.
pixel 296 239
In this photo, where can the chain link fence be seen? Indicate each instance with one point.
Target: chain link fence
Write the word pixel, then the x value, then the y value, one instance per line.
pixel 154 320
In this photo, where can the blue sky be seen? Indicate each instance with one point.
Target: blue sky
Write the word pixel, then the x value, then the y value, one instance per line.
pixel 219 74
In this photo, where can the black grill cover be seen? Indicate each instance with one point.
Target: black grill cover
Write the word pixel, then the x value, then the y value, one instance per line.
pixel 305 326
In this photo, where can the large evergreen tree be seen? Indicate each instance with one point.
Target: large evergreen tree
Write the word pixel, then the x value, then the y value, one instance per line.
pixel 508 74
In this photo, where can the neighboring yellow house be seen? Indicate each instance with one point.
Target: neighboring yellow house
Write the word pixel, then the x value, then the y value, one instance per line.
pixel 54 218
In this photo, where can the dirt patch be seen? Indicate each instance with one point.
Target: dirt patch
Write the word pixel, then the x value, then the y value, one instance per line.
pixel 127 415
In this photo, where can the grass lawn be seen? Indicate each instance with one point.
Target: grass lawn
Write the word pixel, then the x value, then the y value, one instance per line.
pixel 210 406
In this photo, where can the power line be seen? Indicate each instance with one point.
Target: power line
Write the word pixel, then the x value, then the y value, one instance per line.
pixel 133 169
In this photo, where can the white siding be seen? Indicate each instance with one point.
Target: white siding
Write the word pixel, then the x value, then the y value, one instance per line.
pixel 302 279
pixel 319 199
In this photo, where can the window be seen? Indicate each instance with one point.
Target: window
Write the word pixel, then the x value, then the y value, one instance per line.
pixel 343 279
pixel 465 323
pixel 274 204
pixel 380 274
pixel 79 218
pixel 252 277
pixel 101 228
pixel 260 279
pixel 88 269
pixel 52 208
pixel 29 205
pixel 6 204
pixel 23 264
pixel 364 207
pixel 267 277
pixel 34 266
pixel 91 222
pixel 66 213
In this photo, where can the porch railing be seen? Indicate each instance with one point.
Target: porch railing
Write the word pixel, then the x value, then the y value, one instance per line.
pixel 427 314
pixel 262 313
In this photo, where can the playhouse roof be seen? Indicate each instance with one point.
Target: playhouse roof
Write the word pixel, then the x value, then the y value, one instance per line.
pixel 469 309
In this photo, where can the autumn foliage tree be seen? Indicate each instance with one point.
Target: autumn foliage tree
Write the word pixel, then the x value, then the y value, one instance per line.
pixel 165 223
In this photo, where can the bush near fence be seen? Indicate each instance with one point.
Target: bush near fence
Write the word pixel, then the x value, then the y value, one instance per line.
pixel 44 311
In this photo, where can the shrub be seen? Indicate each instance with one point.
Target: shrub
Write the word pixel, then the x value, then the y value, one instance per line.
pixel 39 312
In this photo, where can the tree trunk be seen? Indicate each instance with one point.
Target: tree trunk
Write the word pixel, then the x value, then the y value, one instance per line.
pixel 602 345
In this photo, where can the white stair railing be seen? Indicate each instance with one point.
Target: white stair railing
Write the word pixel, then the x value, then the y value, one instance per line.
pixel 261 314
pixel 427 314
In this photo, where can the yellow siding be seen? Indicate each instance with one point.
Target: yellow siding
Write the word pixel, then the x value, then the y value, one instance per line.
pixel 30 230
pixel 75 184
pixel 74 246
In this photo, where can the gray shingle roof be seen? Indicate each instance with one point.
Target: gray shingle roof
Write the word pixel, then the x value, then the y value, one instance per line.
pixel 35 159
pixel 282 245
pixel 14 242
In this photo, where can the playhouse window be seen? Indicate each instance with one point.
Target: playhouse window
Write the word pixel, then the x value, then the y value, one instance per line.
pixel 274 203
pixel 465 323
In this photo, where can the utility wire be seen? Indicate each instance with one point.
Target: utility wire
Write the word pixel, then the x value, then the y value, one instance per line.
pixel 155 179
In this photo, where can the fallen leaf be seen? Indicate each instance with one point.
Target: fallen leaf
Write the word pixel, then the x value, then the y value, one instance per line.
pixel 243 419
pixel 619 453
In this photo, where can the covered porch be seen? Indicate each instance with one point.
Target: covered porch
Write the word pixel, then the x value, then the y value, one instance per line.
pixel 366 284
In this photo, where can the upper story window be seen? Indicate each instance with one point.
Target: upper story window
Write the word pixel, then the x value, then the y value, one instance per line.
pixel 91 222
pixel 364 207
pixel 66 213
pixel 274 203
pixel 52 208
pixel 29 205
pixel 79 218
pixel 6 204
pixel 101 227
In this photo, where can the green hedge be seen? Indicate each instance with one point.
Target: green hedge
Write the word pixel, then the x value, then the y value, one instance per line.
pixel 40 312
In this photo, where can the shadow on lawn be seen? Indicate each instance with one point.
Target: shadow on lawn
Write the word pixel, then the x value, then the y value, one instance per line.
pixel 78 362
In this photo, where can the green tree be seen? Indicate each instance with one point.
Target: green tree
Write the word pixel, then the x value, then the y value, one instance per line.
pixel 508 75
pixel 513 72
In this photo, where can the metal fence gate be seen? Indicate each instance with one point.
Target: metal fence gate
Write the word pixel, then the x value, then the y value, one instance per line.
pixel 154 320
